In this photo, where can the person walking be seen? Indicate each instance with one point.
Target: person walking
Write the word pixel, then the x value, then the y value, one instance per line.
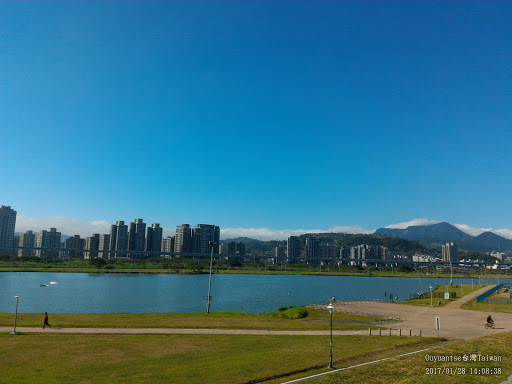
pixel 45 320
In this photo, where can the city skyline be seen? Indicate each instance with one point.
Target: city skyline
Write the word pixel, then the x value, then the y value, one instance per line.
pixel 267 119
pixel 86 229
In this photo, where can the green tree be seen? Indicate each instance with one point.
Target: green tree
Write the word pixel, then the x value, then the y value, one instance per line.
pixel 98 262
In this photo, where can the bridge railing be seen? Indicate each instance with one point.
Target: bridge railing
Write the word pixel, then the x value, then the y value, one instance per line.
pixel 488 293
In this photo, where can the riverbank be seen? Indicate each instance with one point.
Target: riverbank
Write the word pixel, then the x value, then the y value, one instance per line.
pixel 465 275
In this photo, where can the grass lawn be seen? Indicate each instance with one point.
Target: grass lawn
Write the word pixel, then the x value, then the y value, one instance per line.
pixel 222 320
pixel 466 289
pixel 490 307
pixel 413 368
pixel 84 359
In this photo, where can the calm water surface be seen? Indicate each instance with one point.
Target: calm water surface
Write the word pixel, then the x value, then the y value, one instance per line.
pixel 114 293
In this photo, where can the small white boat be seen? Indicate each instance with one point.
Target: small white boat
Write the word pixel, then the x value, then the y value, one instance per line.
pixel 53 282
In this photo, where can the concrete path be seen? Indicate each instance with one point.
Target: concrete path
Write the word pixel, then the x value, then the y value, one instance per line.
pixel 455 322
pixel 180 331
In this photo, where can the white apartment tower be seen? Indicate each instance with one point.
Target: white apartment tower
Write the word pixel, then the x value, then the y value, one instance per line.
pixel 27 240
pixel 183 239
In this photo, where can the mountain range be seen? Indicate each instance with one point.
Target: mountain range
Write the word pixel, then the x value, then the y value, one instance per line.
pixel 430 235
pixel 434 235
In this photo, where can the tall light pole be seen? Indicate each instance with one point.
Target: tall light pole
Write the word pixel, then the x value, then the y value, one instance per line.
pixel 212 245
pixel 17 297
pixel 431 296
pixel 451 272
pixel 330 308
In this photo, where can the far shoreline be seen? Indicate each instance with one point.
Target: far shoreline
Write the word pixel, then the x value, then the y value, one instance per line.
pixel 248 272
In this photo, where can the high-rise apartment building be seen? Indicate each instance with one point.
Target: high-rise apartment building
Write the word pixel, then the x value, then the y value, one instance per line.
pixel 240 249
pixel 7 225
pixel 154 239
pixel 313 248
pixel 183 239
pixel 27 240
pixel 330 251
pixel 450 252
pixel 49 239
pixel 118 238
pixel 168 245
pixel 344 253
pixel 231 248
pixel 202 235
pixel 72 245
pixel 137 237
pixel 293 249
pixel 280 252
pixel 197 240
pixel 91 245
pixel 104 245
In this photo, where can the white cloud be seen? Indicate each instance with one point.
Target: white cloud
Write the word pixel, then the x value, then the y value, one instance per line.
pixel 504 232
pixel 71 227
pixel 412 223
pixel 63 224
pixel 283 234
pixel 470 230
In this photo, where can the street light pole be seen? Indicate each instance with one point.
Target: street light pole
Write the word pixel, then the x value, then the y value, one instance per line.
pixel 330 308
pixel 431 296
pixel 451 272
pixel 17 297
pixel 212 244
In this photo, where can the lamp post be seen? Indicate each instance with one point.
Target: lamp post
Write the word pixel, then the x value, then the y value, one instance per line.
pixel 17 297
pixel 431 296
pixel 330 308
pixel 451 272
pixel 212 244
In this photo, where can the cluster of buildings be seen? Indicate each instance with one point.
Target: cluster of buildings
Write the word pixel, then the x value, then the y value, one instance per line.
pixel 138 240
pixel 133 240
pixel 316 248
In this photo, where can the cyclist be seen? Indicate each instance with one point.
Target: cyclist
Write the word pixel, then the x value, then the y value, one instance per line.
pixel 490 320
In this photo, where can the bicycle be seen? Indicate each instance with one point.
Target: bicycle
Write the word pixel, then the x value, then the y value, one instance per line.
pixel 489 325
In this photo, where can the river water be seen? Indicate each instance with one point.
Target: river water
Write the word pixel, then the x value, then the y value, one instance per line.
pixel 139 293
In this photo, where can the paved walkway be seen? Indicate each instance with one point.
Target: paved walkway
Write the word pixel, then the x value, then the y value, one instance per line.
pixel 180 331
pixel 455 322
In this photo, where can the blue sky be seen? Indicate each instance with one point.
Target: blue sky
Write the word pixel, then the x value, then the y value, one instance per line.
pixel 278 115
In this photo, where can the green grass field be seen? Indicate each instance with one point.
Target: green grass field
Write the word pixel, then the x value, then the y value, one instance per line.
pixel 97 359
pixel 466 289
pixel 490 307
pixel 224 320
pixel 413 368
